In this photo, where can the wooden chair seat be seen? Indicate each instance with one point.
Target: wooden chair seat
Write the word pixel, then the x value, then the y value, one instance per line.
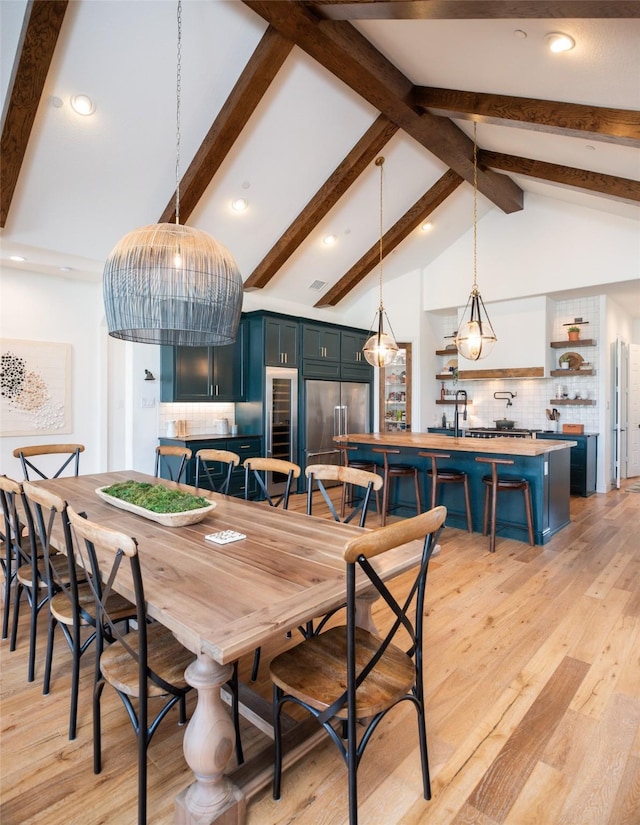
pixel 317 672
pixel 62 608
pixel 24 573
pixel 166 657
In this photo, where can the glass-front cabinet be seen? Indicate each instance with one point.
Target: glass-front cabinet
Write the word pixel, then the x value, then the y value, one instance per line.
pixel 395 393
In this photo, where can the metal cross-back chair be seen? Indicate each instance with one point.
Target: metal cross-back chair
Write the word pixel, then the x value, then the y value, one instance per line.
pixel 216 467
pixel 70 597
pixel 173 460
pixel 143 664
pixel 30 571
pixel 10 492
pixel 70 455
pixel 367 482
pixel 261 467
pixel 350 675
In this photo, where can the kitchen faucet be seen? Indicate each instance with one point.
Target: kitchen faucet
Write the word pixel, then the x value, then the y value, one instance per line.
pixel 456 412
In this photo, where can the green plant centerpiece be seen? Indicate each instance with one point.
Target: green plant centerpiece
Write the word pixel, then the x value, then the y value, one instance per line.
pixel 155 497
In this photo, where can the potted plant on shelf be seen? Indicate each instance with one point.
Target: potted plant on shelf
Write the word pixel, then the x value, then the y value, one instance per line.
pixel 564 361
pixel 574 333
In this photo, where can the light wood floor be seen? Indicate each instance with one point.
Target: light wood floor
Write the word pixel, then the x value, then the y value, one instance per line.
pixel 533 693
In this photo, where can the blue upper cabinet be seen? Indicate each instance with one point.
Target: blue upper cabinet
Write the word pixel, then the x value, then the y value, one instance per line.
pixel 204 373
pixel 280 342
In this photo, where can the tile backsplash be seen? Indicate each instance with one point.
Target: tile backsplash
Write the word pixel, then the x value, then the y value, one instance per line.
pixel 534 395
pixel 200 418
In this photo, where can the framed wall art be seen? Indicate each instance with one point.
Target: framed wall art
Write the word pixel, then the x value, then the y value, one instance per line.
pixel 35 388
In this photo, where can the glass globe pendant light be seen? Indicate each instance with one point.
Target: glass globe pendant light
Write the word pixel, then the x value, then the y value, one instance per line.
pixel 172 284
pixel 475 337
pixel 380 348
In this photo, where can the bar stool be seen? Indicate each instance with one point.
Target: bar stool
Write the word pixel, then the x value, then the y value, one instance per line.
pixel 368 466
pixel 447 475
pixel 495 484
pixel 391 471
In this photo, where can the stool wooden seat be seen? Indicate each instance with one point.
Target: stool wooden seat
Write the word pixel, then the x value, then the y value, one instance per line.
pixel 447 475
pixel 367 466
pixel 495 484
pixel 391 471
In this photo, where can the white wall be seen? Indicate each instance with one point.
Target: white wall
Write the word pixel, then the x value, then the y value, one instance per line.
pixel 548 246
pixel 41 308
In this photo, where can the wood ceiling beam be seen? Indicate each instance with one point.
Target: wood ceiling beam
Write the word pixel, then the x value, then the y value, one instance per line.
pixel 343 51
pixel 473 9
pixel 619 126
pixel 609 185
pixel 411 220
pixel 358 159
pixel 247 93
pixel 42 23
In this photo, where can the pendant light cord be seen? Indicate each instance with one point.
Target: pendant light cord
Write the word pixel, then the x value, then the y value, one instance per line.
pixel 475 207
pixel 178 90
pixel 380 163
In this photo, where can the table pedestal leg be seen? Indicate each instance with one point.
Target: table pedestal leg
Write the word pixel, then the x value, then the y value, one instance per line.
pixel 209 741
pixel 364 616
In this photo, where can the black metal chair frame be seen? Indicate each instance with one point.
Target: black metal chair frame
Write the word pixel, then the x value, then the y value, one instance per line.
pixel 108 630
pixel 203 464
pixel 312 629
pixel 24 453
pixel 9 494
pixel 344 706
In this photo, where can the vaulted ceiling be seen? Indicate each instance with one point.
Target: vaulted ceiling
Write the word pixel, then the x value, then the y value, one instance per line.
pixel 288 104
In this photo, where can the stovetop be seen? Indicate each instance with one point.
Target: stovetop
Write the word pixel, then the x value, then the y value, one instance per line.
pixel 493 432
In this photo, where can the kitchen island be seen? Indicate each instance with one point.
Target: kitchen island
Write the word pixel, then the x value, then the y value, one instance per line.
pixel 544 463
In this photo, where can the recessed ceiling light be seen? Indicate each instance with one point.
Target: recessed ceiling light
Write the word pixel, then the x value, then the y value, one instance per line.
pixel 520 34
pixel 18 258
pixel 56 102
pixel 65 268
pixel 560 42
pixel 427 226
pixel 239 204
pixel 329 240
pixel 83 105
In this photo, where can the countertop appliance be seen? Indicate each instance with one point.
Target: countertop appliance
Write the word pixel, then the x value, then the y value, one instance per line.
pixel 333 408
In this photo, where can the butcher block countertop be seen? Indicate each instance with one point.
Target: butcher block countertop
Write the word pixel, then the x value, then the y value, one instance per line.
pixel 428 441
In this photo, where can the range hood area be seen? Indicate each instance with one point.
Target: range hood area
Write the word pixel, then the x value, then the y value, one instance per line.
pixel 524 329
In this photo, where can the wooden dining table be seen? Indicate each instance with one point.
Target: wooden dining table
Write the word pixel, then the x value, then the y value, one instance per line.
pixel 223 601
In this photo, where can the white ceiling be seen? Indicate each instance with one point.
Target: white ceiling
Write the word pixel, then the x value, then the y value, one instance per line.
pixel 86 182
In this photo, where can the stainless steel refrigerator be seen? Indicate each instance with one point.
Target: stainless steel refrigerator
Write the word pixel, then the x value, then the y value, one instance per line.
pixel 333 408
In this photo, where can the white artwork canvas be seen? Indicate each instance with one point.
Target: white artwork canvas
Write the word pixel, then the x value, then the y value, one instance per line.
pixel 35 388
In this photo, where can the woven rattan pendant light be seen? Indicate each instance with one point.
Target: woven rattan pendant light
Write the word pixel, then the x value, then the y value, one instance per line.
pixel 172 284
pixel 380 348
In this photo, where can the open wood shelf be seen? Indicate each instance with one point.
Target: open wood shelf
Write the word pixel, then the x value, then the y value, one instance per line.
pixel 575 402
pixel 581 342
pixel 560 373
pixel 453 351
pixel 452 401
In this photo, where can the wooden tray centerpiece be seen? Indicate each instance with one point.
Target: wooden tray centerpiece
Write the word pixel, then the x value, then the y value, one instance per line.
pixel 169 507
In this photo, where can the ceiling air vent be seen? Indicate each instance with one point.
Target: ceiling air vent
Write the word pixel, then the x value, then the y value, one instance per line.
pixel 318 285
